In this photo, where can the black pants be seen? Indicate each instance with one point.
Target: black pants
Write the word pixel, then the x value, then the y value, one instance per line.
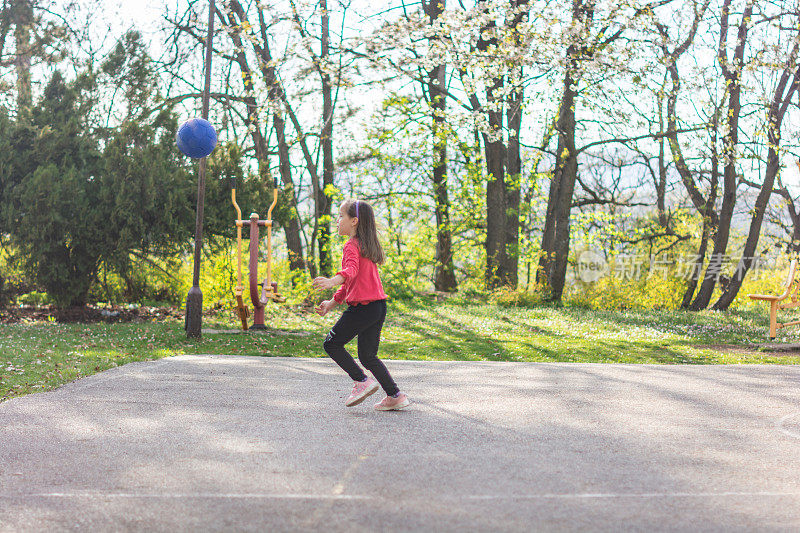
pixel 366 321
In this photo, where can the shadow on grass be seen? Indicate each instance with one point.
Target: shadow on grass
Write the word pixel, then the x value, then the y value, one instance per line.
pixel 460 341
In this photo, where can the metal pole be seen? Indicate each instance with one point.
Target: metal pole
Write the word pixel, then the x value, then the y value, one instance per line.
pixel 194 300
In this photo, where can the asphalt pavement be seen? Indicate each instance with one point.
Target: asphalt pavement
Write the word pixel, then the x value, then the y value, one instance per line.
pixel 228 443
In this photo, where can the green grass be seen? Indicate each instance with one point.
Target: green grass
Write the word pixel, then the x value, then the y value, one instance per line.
pixel 41 356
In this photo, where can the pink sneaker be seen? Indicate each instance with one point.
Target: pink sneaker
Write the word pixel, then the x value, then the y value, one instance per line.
pixel 393 404
pixel 361 389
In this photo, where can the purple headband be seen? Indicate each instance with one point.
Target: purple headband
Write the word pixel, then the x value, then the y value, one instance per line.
pixel 356 208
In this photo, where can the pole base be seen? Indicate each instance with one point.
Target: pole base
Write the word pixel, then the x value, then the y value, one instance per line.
pixel 194 313
pixel 242 312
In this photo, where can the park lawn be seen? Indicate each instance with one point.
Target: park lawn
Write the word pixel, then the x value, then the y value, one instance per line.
pixel 41 356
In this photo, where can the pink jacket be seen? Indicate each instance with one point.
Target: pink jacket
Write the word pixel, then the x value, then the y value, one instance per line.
pixel 362 284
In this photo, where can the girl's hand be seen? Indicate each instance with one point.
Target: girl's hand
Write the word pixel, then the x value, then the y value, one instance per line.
pixel 323 308
pixel 322 283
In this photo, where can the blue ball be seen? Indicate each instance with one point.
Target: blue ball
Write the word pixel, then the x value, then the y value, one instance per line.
pixel 196 138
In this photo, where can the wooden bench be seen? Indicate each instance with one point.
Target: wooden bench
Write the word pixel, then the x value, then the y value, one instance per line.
pixel 790 291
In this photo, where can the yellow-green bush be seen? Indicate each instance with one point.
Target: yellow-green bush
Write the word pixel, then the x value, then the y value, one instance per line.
pixel 646 290
pixel 34 298
pixel 13 281
pixel 510 297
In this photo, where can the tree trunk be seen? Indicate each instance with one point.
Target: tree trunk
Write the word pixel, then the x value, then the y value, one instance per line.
pixel 252 121
pixel 708 226
pixel 661 182
pixel 22 15
pixel 732 289
pixel 325 198
pixel 704 206
pixel 710 219
pixel 555 238
pixel 494 153
pixel 444 278
pixel 730 140
pixel 292 227
pixel 780 103
pixel 514 167
pixel 566 175
pixel 513 158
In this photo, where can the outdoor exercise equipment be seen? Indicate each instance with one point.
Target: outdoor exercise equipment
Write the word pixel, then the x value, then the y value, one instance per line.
pixel 196 138
pixel 790 291
pixel 269 288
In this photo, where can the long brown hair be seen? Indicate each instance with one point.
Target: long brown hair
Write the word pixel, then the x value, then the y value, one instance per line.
pixel 366 231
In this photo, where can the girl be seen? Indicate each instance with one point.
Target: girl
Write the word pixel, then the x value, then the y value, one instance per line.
pixel 366 307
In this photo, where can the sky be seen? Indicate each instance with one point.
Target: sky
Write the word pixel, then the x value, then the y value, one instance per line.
pixel 139 14
pixel 145 16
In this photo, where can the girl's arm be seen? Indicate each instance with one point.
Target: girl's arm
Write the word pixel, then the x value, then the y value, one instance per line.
pixel 349 269
pixel 323 308
pixel 350 257
pixel 328 283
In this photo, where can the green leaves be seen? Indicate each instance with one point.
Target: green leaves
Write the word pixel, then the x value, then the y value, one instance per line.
pixel 76 197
